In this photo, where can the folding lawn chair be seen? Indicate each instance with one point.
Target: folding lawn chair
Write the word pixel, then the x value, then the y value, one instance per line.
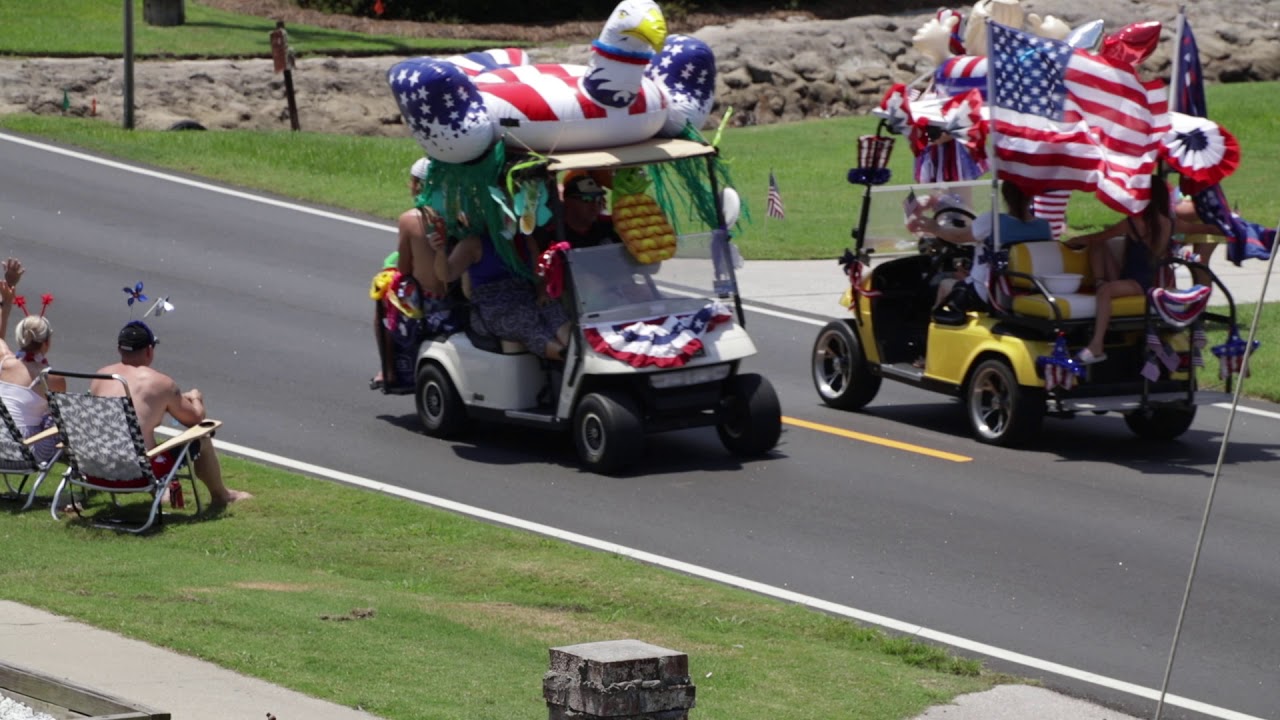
pixel 17 458
pixel 104 450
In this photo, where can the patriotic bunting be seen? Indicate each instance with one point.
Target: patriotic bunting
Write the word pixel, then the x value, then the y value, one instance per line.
pixel 664 342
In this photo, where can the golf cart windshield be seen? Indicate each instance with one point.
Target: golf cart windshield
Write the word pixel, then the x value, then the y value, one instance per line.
pixel 609 283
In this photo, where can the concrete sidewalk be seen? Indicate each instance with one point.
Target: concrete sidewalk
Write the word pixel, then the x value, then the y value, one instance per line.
pixel 184 687
pixel 814 286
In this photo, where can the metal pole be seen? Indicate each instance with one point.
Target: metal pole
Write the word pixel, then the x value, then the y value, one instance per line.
pixel 1213 488
pixel 128 64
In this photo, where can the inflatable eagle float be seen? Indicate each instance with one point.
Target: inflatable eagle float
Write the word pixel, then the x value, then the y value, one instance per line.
pixel 639 83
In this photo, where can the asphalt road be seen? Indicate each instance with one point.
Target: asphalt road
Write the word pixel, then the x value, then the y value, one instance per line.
pixel 1074 551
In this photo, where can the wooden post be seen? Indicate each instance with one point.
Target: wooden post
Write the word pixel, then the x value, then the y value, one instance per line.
pixel 282 57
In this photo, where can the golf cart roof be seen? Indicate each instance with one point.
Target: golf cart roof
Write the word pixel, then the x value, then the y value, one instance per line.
pixel 648 152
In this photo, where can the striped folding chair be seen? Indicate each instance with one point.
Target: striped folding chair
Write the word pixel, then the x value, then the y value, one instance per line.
pixel 17 459
pixel 104 450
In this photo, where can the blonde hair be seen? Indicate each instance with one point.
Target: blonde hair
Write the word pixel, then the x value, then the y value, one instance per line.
pixel 32 332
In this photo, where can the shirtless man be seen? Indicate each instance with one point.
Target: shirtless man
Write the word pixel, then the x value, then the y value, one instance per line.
pixel 416 260
pixel 154 394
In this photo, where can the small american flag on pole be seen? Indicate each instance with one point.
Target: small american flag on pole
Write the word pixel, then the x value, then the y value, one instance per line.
pixel 775 199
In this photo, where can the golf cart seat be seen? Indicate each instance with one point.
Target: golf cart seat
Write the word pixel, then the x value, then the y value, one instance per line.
pixel 1040 259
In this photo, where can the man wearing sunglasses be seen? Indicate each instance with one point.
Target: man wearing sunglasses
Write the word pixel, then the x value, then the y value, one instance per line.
pixel 585 222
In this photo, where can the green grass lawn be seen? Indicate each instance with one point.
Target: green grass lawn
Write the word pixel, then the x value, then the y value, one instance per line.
pixel 61 28
pixel 463 611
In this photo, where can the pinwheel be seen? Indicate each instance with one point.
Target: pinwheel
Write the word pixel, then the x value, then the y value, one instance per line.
pixel 135 294
pixel 1201 150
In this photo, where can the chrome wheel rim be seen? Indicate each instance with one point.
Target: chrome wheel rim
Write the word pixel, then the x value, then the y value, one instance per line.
pixel 832 365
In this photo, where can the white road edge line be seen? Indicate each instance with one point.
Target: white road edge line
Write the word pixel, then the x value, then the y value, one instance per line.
pixel 658 560
pixel 725 579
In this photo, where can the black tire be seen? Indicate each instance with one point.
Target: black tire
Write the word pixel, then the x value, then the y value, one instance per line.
pixel 607 432
pixel 840 372
pixel 750 421
pixel 1000 411
pixel 1162 423
pixel 440 408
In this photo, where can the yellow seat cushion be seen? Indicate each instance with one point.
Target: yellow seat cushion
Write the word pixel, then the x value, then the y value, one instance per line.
pixel 1052 258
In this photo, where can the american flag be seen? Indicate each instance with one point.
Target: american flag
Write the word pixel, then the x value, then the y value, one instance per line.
pixel 1052 207
pixel 775 199
pixel 1248 240
pixel 1066 119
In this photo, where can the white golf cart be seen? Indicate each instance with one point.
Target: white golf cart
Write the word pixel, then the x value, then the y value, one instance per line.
pixel 654 346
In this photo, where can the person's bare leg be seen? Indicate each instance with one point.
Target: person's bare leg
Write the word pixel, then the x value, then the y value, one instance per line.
pixel 554 350
pixel 209 471
pixel 1205 251
pixel 1101 319
pixel 1105 297
pixel 1103 264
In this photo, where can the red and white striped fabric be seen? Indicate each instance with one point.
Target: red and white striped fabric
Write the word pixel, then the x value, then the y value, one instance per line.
pixel 475 63
pixel 1052 206
pixel 542 107
pixel 1066 119
pixel 960 74
pixel 665 342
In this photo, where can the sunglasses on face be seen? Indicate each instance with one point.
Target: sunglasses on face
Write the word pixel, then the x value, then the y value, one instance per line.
pixel 588 197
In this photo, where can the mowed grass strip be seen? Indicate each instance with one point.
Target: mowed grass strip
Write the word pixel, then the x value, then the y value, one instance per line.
pixel 72 28
pixel 412 612
pixel 810 160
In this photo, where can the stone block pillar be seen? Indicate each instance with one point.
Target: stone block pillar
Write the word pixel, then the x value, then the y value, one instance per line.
pixel 164 13
pixel 617 680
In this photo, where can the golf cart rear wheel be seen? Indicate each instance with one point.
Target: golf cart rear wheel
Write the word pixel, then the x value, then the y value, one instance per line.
pixel 750 416
pixel 1000 411
pixel 607 432
pixel 840 373
pixel 1162 423
pixel 440 408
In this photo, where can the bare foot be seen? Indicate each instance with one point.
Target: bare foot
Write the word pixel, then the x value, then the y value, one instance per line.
pixel 232 496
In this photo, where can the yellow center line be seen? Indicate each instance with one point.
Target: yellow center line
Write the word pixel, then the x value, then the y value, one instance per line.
pixel 919 449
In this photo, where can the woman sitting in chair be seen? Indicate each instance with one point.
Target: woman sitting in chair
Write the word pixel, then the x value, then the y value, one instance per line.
pixel 20 386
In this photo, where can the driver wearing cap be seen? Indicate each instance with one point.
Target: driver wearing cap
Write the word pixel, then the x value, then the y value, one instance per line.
pixel 154 394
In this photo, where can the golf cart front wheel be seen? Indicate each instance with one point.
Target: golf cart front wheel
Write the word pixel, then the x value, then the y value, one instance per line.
pixel 840 372
pixel 607 432
pixel 1000 411
pixel 750 420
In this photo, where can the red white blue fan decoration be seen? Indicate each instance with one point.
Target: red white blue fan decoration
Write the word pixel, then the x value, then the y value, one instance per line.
pixel 1201 150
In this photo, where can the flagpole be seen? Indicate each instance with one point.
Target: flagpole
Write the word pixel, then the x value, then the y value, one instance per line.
pixel 1176 70
pixel 993 154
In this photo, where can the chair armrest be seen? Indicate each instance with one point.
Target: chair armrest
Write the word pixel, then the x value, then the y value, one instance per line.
pixel 195 432
pixel 46 433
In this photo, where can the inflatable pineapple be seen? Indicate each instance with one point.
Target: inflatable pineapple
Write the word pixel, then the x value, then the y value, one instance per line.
pixel 638 219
